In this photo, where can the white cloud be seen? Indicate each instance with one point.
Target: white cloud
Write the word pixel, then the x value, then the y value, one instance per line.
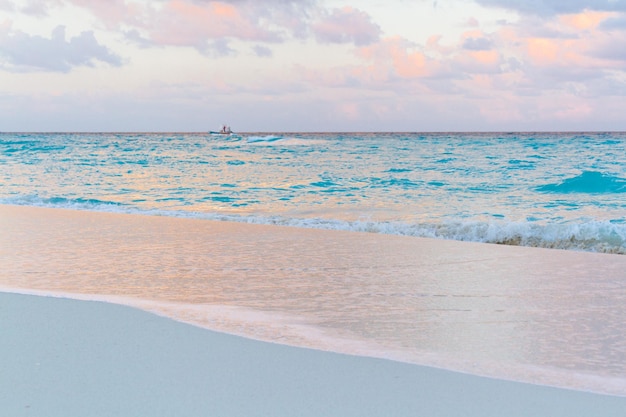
pixel 614 23
pixel 262 51
pixel 22 52
pixel 477 44
pixel 551 7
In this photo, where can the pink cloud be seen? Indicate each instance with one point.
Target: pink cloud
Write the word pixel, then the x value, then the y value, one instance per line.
pixel 392 64
pixel 183 23
pixel 568 48
pixel 113 13
pixel 504 73
pixel 581 46
pixel 433 45
pixel 476 54
pixel 399 55
pixel 530 58
pixel 193 23
pixel 212 24
pixel 542 51
pixel 580 53
pixel 346 25
pixel 586 20
pixel 480 61
pixel 472 22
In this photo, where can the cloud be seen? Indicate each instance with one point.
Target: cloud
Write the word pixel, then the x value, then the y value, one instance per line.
pixel 399 56
pixel 394 65
pixel 346 25
pixel 553 52
pixel 117 13
pixel 40 8
pixel 614 23
pixel 185 23
pixel 580 43
pixel 262 51
pixel 202 24
pixel 569 55
pixel 611 48
pixel 198 23
pixel 477 44
pixel 587 20
pixel 291 18
pixel 135 37
pixel 37 8
pixel 474 53
pixel 554 7
pixel 20 52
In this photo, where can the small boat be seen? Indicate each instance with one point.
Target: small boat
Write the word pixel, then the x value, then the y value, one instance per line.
pixel 224 130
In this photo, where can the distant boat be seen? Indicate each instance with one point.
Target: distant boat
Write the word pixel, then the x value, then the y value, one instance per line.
pixel 224 130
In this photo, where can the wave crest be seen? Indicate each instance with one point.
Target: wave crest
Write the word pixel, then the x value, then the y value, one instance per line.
pixel 591 182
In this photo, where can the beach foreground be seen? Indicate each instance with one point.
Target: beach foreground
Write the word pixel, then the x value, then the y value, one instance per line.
pixel 64 357
pixel 551 318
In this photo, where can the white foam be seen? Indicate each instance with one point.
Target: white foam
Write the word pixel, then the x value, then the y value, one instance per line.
pixel 586 235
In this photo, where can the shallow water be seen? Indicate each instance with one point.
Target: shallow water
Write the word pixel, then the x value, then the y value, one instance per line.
pixel 537 315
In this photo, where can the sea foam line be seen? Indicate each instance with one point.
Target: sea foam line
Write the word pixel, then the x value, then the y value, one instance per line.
pixel 586 235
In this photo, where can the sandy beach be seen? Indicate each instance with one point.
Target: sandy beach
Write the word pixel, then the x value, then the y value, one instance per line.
pixel 65 357
pixel 70 357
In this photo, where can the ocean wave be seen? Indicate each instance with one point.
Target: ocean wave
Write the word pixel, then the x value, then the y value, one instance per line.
pixel 265 138
pixel 270 140
pixel 583 235
pixel 62 202
pixel 590 182
pixel 589 236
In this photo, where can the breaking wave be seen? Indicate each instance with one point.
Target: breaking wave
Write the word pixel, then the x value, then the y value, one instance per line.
pixel 591 236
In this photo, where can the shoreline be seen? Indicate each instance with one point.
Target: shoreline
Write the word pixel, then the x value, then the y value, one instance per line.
pixel 159 238
pixel 532 375
pixel 70 357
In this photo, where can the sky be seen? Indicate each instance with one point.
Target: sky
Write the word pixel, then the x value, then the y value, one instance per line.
pixel 312 65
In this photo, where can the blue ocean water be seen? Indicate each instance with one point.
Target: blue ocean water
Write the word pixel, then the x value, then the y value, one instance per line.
pixel 555 190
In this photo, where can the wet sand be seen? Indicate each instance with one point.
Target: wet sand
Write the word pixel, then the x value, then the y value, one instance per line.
pixel 69 357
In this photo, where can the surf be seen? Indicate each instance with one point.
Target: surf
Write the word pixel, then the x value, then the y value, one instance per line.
pixel 588 182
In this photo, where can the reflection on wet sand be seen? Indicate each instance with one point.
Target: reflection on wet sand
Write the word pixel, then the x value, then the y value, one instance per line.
pixel 545 315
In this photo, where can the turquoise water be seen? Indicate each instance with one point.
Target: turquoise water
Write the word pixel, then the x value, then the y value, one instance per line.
pixel 561 190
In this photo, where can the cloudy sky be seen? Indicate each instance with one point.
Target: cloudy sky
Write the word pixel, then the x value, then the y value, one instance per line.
pixel 312 65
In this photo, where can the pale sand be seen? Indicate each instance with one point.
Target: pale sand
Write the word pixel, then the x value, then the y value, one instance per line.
pixel 63 357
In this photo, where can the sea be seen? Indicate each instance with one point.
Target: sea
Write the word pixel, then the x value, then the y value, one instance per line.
pixel 562 191
pixel 553 190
